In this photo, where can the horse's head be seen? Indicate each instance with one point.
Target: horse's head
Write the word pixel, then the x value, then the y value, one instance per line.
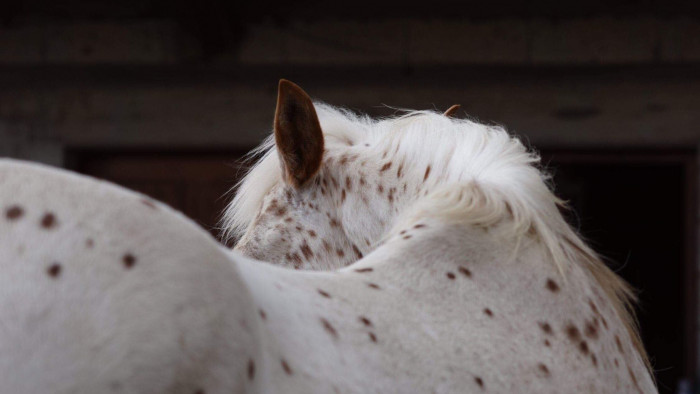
pixel 312 200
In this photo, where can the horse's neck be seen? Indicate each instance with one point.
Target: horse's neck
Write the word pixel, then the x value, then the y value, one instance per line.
pixel 564 309
pixel 452 294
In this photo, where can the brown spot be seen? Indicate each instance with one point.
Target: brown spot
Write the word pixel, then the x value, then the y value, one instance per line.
pixel 342 196
pixel 365 321
pixel 262 313
pixel 54 270
pixel 583 347
pixel 334 223
pixel 398 172
pixel 605 322
pixel 129 260
pixel 328 327
pixel 488 312
pixel 594 360
pixel 326 246
pixel 380 189
pixel 427 173
pixel 552 285
pixel 362 181
pixel 251 369
pixel 372 337
pixel 296 260
pixel 573 333
pixel 619 344
pixel 14 212
pixel 465 271
pixel 385 167
pixel 286 367
pixel 357 251
pixel 617 363
pixel 348 183
pixel 340 253
pixel 417 226
pixel 281 211
pixel 368 269
pixel 306 250
pixel 288 219
pixel 547 343
pixel 593 307
pixel 323 293
pixel 634 379
pixel 409 236
pixel 449 275
pixel 343 160
pixel 89 243
pixel 48 221
pixel 390 196
pixel 148 203
pixel 591 331
pixel 479 381
pixel 546 328
pixel 374 286
pixel 312 233
pixel 543 368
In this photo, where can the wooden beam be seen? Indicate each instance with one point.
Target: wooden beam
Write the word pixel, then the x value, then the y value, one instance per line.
pixel 164 107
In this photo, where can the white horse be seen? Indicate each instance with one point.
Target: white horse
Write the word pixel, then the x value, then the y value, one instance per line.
pixel 461 277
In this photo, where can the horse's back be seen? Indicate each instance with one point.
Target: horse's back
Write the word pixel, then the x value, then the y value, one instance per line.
pixel 105 290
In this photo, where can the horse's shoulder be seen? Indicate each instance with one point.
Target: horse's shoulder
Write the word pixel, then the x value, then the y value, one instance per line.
pixel 82 257
pixel 40 200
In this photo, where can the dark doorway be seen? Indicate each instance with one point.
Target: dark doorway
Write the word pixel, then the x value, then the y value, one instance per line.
pixel 194 183
pixel 637 211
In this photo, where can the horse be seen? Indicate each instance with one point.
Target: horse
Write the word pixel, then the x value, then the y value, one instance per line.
pixel 417 253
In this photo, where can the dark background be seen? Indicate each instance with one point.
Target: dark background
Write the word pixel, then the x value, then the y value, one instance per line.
pixel 166 96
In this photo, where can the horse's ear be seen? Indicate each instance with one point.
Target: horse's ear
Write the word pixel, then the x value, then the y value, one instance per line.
pixel 452 110
pixel 298 134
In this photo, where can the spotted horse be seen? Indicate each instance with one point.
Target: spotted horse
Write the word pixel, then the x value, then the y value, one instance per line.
pixel 413 254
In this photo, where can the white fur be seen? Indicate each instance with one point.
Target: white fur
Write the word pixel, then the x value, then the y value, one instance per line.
pixel 480 175
pixel 461 153
pixel 481 234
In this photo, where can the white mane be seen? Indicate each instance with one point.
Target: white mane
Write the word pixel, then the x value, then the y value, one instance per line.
pixel 458 152
pixel 340 127
pixel 479 174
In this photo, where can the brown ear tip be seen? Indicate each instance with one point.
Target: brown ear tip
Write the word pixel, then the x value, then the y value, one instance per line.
pixel 452 110
pixel 288 85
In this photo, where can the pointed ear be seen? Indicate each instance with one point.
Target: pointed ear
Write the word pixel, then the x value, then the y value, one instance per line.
pixel 298 134
pixel 452 110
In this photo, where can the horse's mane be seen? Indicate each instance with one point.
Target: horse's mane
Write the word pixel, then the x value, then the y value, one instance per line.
pixel 481 175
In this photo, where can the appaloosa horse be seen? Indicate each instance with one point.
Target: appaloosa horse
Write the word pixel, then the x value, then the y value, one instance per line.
pixel 436 260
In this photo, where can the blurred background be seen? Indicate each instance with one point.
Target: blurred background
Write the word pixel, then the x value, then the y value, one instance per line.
pixel 166 96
